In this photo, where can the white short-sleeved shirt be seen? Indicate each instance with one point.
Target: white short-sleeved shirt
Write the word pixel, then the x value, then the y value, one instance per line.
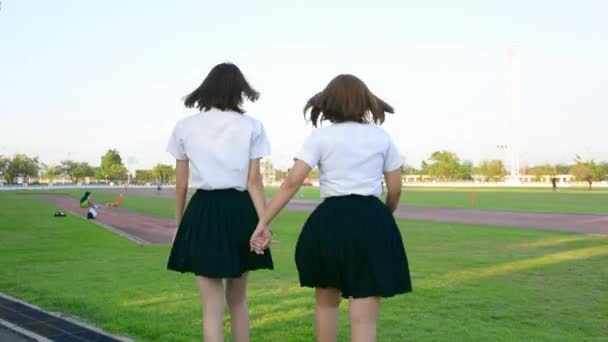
pixel 219 145
pixel 352 158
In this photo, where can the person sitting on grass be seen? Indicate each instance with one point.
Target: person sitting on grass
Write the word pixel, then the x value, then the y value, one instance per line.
pixel 85 200
pixel 116 203
pixel 92 213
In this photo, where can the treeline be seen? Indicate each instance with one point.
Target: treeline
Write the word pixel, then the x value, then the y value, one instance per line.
pixel 162 173
pixel 441 165
pixel 580 169
pixel 447 166
pixel 26 169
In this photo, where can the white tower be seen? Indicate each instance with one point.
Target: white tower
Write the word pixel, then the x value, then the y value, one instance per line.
pixel 515 109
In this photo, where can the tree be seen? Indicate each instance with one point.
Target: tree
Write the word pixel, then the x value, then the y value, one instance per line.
pixel 4 163
pixel 143 176
pixel 493 170
pixel 603 170
pixel 111 167
pixel 52 171
pixel 76 170
pixel 580 171
pixel 444 164
pixel 22 166
pixel 465 170
pixel 163 172
pixel 409 170
pixel 111 158
pixel 583 169
pixel 424 168
pixel 99 176
pixel 66 168
pixel 82 171
pixel 562 169
pixel 280 175
pixel 314 173
pixel 542 170
pixel 117 172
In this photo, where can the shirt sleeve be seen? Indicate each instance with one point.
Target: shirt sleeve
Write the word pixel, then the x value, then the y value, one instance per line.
pixel 310 153
pixel 392 159
pixel 260 146
pixel 176 145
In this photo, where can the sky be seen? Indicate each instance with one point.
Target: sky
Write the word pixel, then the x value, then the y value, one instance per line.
pixel 80 77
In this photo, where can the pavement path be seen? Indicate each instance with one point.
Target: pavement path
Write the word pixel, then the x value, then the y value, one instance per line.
pixel 567 222
pixel 160 230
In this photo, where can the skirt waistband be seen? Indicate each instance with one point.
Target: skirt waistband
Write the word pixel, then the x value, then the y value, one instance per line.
pixel 352 197
pixel 230 190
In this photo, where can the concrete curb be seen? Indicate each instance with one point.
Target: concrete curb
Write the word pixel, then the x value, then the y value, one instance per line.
pixel 26 334
pixel 58 315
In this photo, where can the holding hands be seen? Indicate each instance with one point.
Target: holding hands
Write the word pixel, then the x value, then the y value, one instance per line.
pixel 260 239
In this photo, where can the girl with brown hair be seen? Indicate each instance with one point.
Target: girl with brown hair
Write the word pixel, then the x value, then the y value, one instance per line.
pixel 350 245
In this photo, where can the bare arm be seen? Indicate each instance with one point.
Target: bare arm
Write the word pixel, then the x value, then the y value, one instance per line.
pixel 261 236
pixel 182 168
pixel 255 186
pixel 393 186
pixel 290 186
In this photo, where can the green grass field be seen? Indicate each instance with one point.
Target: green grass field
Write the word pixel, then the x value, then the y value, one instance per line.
pixel 471 283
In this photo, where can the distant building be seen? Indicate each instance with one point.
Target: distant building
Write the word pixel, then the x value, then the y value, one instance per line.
pixel 268 172
pixel 526 178
pixel 50 180
pixel 479 178
pixel 564 179
pixel 415 178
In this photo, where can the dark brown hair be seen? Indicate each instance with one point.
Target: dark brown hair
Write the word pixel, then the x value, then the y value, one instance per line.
pixel 346 98
pixel 223 89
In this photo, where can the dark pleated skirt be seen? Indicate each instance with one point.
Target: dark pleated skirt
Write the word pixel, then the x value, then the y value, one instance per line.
pixel 213 237
pixel 352 243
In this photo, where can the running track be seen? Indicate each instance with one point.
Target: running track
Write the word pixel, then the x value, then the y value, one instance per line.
pixel 567 222
pixel 154 229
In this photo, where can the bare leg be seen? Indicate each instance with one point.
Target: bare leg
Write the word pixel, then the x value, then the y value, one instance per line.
pixel 212 300
pixel 236 297
pixel 363 313
pixel 328 303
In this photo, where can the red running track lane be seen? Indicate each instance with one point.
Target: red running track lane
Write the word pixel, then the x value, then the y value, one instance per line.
pixel 154 229
pixel 567 222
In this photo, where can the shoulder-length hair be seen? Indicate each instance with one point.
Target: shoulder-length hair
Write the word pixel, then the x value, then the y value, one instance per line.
pixel 347 98
pixel 223 88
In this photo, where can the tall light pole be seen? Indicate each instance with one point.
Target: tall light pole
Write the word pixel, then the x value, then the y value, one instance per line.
pixel 504 154
pixel 131 160
pixel 515 109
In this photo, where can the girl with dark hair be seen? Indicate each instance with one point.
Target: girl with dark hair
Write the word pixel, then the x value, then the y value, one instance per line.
pixel 350 245
pixel 222 148
pixel 84 200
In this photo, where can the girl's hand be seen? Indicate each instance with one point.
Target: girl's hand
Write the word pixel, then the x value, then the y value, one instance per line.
pixel 260 239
